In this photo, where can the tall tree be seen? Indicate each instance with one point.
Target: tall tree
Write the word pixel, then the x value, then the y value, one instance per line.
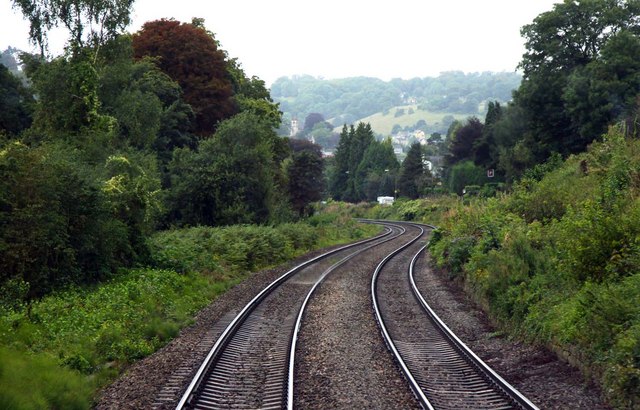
pixel 304 171
pixel 190 56
pixel 146 102
pixel 558 42
pixel 606 89
pixel 464 141
pixel 377 170
pixel 412 173
pixel 339 176
pixel 67 94
pixel 485 150
pixel 230 178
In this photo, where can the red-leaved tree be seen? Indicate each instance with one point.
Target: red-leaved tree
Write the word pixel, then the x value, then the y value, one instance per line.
pixel 189 55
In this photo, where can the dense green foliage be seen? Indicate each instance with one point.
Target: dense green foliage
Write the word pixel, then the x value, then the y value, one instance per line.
pixel 304 173
pixel 363 168
pixel 113 147
pixel 557 260
pixel 413 173
pixel 65 345
pixel 230 178
pixel 36 382
pixel 15 103
pixel 62 223
pixel 85 336
pixel 235 250
pixel 574 88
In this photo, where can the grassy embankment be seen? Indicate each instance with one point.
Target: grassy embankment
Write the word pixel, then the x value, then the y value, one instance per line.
pixel 56 352
pixel 556 261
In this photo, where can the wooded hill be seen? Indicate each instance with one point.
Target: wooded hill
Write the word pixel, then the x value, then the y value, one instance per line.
pixel 349 100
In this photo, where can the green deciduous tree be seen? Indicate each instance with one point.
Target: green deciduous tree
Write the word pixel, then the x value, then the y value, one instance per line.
pixel 464 141
pixel 67 94
pixel 230 178
pixel 606 89
pixel 339 175
pixel 146 103
pixel 64 221
pixel 465 173
pixel 560 44
pixel 376 172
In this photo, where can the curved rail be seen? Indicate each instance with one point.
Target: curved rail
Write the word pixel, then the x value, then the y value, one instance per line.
pixel 516 399
pixel 511 391
pixel 190 394
pixel 298 324
pixel 385 333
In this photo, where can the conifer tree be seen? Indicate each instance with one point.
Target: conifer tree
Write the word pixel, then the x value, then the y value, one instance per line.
pixel 339 176
pixel 412 173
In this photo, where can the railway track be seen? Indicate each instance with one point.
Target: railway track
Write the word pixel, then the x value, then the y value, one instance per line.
pixel 250 365
pixel 442 371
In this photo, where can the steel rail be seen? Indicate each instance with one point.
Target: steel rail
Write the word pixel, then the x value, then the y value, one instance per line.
pixel 509 390
pixel 303 308
pixel 235 324
pixel 415 387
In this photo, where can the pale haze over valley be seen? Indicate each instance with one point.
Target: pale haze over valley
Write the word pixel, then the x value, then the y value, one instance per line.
pixel 337 39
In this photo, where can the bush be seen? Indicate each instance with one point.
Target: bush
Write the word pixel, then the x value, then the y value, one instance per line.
pixel 62 224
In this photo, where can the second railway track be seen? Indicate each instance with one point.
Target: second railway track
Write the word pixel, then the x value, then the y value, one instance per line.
pixel 442 371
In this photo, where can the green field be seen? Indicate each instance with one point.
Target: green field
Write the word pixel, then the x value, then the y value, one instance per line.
pixel 383 123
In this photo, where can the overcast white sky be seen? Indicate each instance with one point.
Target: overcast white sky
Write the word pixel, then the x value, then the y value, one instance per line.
pixel 342 38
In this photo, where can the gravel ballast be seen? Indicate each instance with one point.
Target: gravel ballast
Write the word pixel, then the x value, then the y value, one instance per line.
pixel 342 361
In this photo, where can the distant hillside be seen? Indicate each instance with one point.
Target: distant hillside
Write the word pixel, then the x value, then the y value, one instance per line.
pixel 352 99
pixel 407 116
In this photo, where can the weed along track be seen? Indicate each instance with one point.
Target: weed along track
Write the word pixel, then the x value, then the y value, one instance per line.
pixel 442 371
pixel 249 365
